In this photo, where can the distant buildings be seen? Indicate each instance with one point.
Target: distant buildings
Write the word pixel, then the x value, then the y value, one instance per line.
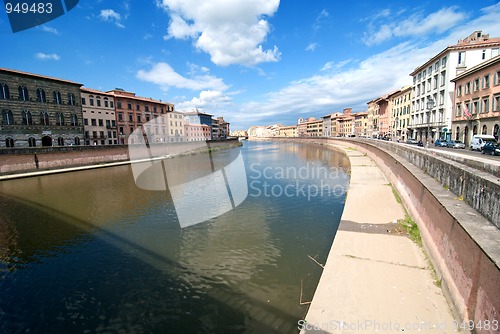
pixel 43 111
pixel 454 95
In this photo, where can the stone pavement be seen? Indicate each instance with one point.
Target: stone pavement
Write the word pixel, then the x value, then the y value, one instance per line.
pixel 375 281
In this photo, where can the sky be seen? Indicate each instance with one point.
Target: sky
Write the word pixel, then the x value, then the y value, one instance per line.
pixel 254 62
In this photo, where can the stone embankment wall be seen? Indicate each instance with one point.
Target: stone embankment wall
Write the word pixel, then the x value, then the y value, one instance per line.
pixel 14 161
pixel 462 245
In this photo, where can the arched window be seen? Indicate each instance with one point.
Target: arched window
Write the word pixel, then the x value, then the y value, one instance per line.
pixel 7 117
pixel 77 141
pixel 56 95
pixel 457 134
pixel 46 141
pixel 4 92
pixel 44 118
pixel 40 95
pixel 59 119
pixel 474 130
pixel 23 93
pixel 27 117
pixel 60 141
pixel 9 142
pixel 74 120
pixel 485 130
pixel 71 99
pixel 31 142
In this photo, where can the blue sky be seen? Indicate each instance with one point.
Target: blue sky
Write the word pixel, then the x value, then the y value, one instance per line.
pixel 255 62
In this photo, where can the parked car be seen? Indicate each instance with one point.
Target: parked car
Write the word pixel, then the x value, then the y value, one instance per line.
pixel 491 148
pixel 412 141
pixel 455 144
pixel 478 141
pixel 440 143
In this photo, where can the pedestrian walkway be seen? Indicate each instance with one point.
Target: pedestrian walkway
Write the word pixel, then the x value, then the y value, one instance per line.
pixel 373 280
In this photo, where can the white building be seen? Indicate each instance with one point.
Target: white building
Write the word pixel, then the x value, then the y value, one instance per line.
pixel 431 81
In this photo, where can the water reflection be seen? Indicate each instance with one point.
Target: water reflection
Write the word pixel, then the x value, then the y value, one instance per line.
pixel 89 251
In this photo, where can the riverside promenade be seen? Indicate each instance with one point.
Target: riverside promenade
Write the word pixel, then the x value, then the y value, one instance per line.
pixel 375 280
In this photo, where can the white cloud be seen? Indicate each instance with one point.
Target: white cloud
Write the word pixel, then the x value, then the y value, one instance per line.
pixel 110 15
pixel 208 101
pixel 232 32
pixel 45 56
pixel 50 30
pixel 311 47
pixel 163 74
pixel 319 20
pixel 415 25
pixel 352 83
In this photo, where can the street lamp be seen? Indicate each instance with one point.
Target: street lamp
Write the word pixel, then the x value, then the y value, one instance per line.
pixel 430 105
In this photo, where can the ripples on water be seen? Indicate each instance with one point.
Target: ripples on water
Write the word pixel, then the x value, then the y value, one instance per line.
pixel 90 252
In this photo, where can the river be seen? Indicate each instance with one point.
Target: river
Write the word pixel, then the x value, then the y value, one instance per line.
pixel 90 251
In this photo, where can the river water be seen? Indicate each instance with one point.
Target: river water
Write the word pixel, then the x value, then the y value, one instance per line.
pixel 89 251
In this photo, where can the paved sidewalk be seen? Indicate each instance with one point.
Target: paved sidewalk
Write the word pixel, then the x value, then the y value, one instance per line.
pixel 375 281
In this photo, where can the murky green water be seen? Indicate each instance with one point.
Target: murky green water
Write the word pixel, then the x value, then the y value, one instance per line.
pixel 89 251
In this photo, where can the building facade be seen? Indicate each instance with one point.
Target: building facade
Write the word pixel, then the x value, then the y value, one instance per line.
pixel 361 124
pixel 400 113
pixel 99 119
pixel 39 110
pixel 133 111
pixel 433 82
pixel 477 101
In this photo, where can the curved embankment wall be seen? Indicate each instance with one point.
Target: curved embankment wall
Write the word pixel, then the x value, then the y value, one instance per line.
pixel 24 160
pixel 463 246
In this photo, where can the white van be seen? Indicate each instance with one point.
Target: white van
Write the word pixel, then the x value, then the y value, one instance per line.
pixel 478 141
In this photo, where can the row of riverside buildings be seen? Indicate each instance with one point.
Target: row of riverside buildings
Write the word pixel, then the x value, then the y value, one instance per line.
pixel 43 111
pixel 454 95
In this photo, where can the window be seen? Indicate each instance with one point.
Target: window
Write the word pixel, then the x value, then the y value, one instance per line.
pixel 130 117
pixel 111 104
pixel 60 141
pixel 443 62
pixel 7 117
pixel 496 102
pixel 74 120
pixel 56 97
pixel 85 121
pixel 485 105
pixel 120 117
pixel 129 106
pixel 93 122
pixel 467 88
pixel 98 101
pixel 23 93
pixel 40 95
pixel 119 105
pixel 31 142
pixel 443 78
pixel 83 101
pixel 483 56
pixel 137 107
pixel 459 90
pixel 121 130
pixel 27 117
pixel 44 118
pixel 476 85
pixel 77 141
pixel 106 104
pixel 71 99
pixel 9 142
pixel 101 122
pixel 91 101
pixel 486 81
pixel 458 110
pixel 59 119
pixel 138 118
pixel 4 92
pixel 461 58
